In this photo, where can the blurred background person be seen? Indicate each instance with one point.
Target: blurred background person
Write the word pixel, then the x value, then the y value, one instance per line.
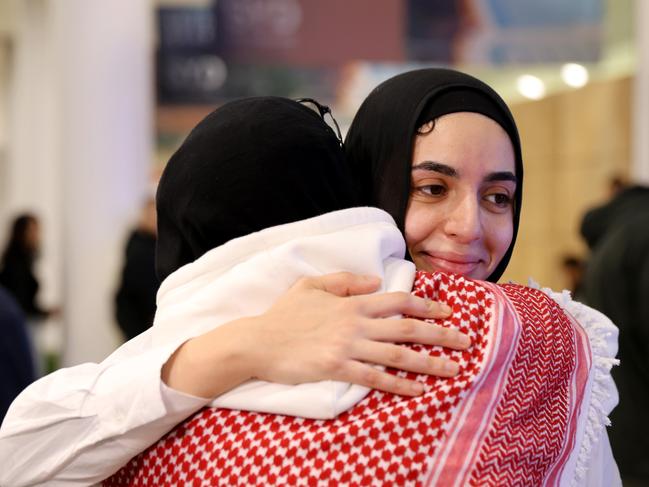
pixel 572 267
pixel 16 357
pixel 18 276
pixel 135 302
pixel 617 183
pixel 616 282
pixel 17 266
pixel 624 202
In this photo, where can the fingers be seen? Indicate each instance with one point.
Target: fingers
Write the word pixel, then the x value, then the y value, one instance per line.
pixel 341 283
pixel 410 330
pixel 368 376
pixel 390 304
pixel 403 358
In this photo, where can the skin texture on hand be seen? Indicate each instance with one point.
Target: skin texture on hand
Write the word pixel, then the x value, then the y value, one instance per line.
pixel 323 328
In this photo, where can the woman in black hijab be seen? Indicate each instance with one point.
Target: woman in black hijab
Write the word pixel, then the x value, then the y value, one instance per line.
pixel 439 150
pixel 382 139
pixel 195 200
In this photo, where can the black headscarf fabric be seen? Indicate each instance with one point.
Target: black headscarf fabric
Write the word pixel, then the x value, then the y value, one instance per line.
pixel 380 141
pixel 249 165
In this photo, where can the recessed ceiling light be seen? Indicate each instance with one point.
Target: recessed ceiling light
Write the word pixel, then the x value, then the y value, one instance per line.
pixel 530 86
pixel 574 75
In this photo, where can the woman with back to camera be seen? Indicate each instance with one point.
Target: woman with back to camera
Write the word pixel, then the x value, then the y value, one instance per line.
pixel 440 151
pixel 278 162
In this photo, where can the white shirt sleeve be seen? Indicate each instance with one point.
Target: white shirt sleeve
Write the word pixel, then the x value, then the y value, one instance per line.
pixel 599 466
pixel 81 424
pixel 602 470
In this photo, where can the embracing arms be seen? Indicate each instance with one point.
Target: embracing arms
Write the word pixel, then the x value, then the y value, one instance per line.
pixel 80 425
pixel 311 334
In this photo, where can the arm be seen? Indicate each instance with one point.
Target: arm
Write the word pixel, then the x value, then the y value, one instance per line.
pixel 78 425
pixel 109 412
pixel 21 283
pixel 321 329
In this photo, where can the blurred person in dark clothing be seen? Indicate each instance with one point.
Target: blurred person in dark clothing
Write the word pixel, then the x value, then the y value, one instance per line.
pixel 17 266
pixel 617 283
pixel 16 358
pixel 135 300
pixel 624 199
pixel 573 270
pixel 616 185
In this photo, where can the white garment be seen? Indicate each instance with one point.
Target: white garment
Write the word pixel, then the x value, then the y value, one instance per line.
pixel 79 425
pixel 235 281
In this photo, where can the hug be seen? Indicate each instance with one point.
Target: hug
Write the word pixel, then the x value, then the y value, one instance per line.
pixel 331 313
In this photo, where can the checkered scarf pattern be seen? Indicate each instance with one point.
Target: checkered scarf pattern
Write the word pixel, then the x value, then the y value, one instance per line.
pixel 508 418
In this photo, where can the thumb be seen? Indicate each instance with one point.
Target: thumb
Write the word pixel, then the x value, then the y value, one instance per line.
pixel 344 283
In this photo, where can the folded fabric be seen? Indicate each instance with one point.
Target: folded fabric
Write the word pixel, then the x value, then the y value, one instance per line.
pixel 245 276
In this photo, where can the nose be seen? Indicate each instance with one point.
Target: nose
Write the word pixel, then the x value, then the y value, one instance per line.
pixel 463 221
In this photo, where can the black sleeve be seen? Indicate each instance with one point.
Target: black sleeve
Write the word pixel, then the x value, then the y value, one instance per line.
pixel 21 283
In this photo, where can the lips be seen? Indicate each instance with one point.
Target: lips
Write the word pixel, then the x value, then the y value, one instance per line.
pixel 464 265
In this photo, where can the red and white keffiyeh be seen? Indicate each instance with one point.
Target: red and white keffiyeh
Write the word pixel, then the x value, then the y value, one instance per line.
pixel 508 418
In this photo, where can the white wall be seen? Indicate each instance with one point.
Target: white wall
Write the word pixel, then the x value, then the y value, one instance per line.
pixel 80 148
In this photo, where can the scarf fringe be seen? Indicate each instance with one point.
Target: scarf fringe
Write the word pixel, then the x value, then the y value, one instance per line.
pixel 599 330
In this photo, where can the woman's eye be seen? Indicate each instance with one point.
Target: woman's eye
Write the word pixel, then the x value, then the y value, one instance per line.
pixel 433 189
pixel 502 200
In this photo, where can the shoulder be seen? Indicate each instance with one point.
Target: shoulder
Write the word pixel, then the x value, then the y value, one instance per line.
pixel 602 337
pixel 601 331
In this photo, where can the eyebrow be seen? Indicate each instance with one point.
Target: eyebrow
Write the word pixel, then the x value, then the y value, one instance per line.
pixel 436 167
pixel 501 176
pixel 452 172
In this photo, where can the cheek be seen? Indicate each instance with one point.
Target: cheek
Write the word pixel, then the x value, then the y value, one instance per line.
pixel 421 228
pixel 415 226
pixel 500 238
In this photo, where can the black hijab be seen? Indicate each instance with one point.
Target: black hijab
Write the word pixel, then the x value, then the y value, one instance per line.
pixel 249 165
pixel 380 141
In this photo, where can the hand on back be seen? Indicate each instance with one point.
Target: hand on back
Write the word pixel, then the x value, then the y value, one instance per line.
pixel 330 327
pixel 323 328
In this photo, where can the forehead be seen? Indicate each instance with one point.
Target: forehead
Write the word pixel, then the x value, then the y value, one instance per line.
pixel 466 140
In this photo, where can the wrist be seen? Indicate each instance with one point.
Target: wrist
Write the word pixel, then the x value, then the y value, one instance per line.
pixel 210 364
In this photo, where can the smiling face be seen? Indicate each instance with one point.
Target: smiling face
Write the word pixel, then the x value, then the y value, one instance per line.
pixel 460 213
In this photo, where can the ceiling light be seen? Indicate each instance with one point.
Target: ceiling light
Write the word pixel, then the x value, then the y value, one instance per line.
pixel 531 87
pixel 574 75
